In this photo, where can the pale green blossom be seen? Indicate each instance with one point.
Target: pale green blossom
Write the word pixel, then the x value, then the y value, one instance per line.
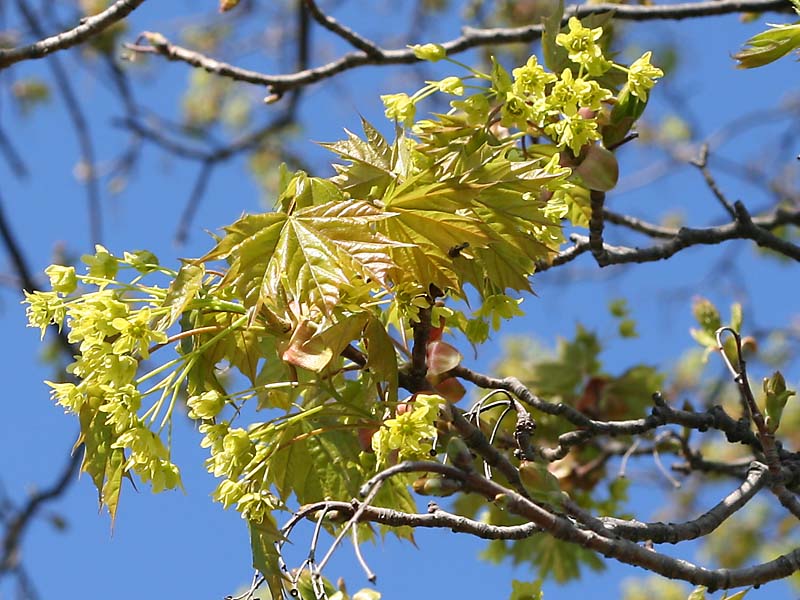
pixel 582 47
pixel 642 76
pixel 400 108
pixel 62 279
pixel 531 79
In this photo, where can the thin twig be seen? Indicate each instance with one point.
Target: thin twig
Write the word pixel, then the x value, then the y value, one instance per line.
pixel 701 163
pixel 371 577
pixel 196 195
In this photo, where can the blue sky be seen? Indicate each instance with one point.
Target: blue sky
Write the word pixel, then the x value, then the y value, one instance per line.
pixel 177 545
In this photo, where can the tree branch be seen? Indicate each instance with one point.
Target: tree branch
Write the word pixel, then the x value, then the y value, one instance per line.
pixel 20 522
pixel 622 550
pixel 661 414
pixel 371 54
pixel 672 533
pixel 360 43
pixel 88 27
pixel 744 227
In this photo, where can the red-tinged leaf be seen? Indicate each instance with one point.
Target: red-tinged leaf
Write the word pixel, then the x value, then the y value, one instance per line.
pixel 599 170
pixel 294 353
pixel 312 349
pixel 450 389
pixel 442 357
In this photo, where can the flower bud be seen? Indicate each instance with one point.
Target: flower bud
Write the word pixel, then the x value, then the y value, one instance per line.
pixel 436 486
pixel 430 52
pixel 62 279
pixel 459 454
pixel 452 85
pixel 206 406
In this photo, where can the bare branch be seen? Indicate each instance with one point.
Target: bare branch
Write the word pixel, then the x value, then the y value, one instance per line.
pixel 355 40
pixel 620 549
pixel 596 225
pixel 24 517
pixel 436 519
pixel 372 54
pixel 672 533
pixel 702 163
pixel 88 27
pixel 650 229
pixel 745 227
pixel 661 414
pixel 196 195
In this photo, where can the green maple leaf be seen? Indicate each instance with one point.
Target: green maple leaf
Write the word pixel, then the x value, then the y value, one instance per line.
pixel 114 471
pixel 432 219
pixel 371 162
pixel 311 255
pixel 314 461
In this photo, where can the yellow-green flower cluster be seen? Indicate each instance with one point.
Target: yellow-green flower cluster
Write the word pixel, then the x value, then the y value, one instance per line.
pixel 567 107
pixel 240 461
pixel 410 434
pixel 540 101
pixel 111 336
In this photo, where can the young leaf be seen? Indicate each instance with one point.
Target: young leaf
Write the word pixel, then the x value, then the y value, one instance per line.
pixel 540 483
pixel 381 356
pixel 698 593
pixel 181 292
pixel 109 495
pixel 372 162
pixel 625 113
pixel 526 590
pixel 776 395
pixel 96 437
pixel 555 56
pixel 309 256
pixel 768 46
pixel 313 350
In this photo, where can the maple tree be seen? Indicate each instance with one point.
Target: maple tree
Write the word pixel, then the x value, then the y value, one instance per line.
pixel 316 345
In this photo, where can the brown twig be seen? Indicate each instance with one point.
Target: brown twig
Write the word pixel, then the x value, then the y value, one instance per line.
pixel 372 54
pixel 18 524
pixel 607 545
pixel 596 225
pixel 743 228
pixel 87 28
pixel 701 162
